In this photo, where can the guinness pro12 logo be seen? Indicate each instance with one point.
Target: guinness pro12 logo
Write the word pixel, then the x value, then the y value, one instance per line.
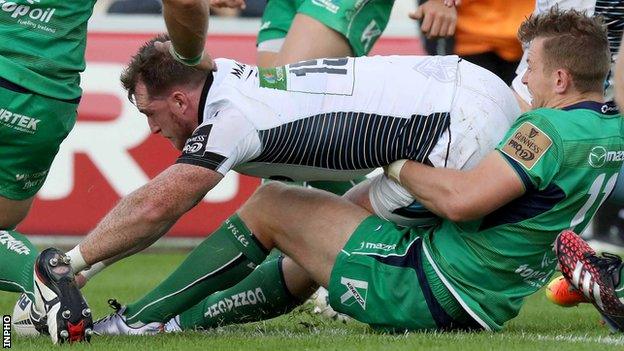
pixel 527 145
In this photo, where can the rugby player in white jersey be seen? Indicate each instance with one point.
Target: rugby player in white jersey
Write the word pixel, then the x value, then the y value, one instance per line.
pixel 330 119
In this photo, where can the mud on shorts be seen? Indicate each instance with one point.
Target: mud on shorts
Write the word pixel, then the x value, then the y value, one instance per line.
pixel 381 278
pixel 32 127
pixel 361 25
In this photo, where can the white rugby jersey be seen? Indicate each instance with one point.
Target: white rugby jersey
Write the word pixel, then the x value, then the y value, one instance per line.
pixel 330 119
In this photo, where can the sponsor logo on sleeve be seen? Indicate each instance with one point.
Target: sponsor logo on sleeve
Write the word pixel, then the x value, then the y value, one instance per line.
pixel 273 78
pixel 527 145
pixel 196 144
pixel 238 69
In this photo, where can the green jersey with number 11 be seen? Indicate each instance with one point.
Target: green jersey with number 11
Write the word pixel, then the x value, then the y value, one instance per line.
pixel 568 160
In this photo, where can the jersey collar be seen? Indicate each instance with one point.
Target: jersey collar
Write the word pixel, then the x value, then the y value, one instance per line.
pixel 203 97
pixel 605 108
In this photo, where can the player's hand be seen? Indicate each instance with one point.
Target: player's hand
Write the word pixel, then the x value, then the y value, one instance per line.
pixel 437 19
pixel 80 280
pixel 450 3
pixel 233 4
pixel 206 63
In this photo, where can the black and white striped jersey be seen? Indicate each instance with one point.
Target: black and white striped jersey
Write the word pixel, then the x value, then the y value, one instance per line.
pixel 330 119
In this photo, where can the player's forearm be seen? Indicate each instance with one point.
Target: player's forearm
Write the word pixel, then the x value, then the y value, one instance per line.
pixel 440 190
pixel 146 214
pixel 187 24
pixel 136 219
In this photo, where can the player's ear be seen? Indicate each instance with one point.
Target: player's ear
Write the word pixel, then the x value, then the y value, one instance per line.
pixel 178 102
pixel 563 80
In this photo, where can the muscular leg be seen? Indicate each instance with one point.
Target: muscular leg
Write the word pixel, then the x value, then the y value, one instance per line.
pixel 309 225
pixel 281 290
pixel 17 253
pixel 309 38
pixel 261 295
pixel 12 212
pixel 275 215
pixel 298 46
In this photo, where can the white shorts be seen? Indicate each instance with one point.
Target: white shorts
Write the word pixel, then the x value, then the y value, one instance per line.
pixel 482 111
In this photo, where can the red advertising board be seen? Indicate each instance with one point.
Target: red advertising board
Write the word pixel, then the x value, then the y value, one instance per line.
pixel 110 151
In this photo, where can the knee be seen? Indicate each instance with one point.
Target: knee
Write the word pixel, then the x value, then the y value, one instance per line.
pixel 12 213
pixel 266 197
pixel 260 210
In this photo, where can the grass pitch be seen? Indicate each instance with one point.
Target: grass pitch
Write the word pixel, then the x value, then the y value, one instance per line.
pixel 540 326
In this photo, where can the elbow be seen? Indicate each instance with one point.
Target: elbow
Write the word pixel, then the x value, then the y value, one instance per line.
pixel 154 211
pixel 457 210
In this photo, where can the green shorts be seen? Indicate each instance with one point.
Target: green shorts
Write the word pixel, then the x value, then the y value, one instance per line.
pixel 382 278
pixel 31 129
pixel 361 22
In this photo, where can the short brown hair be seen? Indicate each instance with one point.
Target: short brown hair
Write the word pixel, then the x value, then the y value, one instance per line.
pixel 573 41
pixel 158 71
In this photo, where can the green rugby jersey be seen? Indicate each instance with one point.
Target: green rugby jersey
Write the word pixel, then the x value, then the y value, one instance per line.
pixel 42 44
pixel 568 161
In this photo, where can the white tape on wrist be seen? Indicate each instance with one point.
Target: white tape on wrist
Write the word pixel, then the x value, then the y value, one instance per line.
pixel 77 262
pixel 394 170
pixel 95 269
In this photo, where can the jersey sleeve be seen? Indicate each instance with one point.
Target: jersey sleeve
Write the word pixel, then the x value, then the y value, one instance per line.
pixel 534 149
pixel 222 142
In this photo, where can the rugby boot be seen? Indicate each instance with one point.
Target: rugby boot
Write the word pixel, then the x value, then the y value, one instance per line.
pixel 56 294
pixel 115 324
pixel 597 277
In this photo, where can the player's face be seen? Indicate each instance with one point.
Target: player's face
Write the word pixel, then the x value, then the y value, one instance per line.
pixel 162 117
pixel 537 79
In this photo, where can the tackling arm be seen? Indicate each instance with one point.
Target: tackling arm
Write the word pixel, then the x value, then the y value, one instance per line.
pixel 463 195
pixel 187 24
pixel 147 213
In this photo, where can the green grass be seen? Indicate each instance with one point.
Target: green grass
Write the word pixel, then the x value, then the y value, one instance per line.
pixel 540 326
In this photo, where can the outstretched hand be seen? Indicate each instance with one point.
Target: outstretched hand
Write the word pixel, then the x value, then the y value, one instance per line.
pixel 205 64
pixel 437 18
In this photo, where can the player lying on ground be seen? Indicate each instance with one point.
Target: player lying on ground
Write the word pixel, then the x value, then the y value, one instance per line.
pixel 312 120
pixel 501 217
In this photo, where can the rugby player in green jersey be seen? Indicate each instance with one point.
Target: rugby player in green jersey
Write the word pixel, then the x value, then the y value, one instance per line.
pixel 41 57
pixel 599 278
pixel 493 247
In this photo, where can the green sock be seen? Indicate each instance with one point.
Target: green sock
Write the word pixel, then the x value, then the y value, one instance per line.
pixel 17 258
pixel 222 260
pixel 260 296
